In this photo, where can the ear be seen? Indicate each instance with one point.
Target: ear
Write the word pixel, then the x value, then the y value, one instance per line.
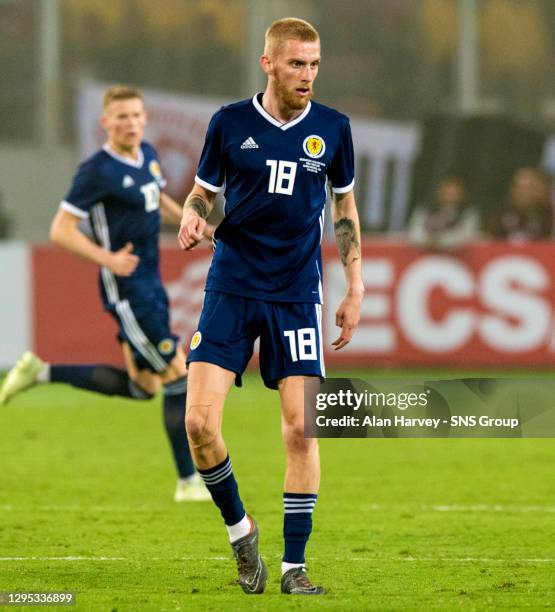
pixel 103 121
pixel 266 65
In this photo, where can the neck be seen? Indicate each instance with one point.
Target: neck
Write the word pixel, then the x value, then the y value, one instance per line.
pixel 130 152
pixel 276 107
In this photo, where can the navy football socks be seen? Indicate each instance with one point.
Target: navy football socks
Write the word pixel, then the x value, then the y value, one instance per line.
pixel 175 394
pixel 221 483
pixel 297 524
pixel 99 378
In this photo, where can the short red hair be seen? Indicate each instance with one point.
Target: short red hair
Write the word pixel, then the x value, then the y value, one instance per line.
pixel 286 29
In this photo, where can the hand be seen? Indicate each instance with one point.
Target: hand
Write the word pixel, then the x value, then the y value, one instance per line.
pixel 123 262
pixel 191 231
pixel 347 318
pixel 209 232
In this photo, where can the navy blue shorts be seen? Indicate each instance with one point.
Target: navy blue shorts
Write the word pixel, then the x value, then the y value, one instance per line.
pixel 146 328
pixel 290 336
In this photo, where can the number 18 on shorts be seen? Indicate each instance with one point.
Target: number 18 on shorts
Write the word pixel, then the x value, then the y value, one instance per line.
pixel 290 336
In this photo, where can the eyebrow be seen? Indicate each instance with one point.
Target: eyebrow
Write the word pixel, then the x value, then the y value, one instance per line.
pixel 300 61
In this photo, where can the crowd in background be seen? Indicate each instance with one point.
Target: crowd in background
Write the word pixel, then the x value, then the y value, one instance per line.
pixel 526 212
pixel 388 60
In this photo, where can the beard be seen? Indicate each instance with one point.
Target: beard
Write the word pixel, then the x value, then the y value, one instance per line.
pixel 290 97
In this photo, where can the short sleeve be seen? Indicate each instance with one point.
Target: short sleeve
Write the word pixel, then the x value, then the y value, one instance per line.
pixel 86 191
pixel 161 181
pixel 211 171
pixel 341 172
pixel 155 165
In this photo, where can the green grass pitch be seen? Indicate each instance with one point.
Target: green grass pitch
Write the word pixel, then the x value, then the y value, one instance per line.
pixel 86 486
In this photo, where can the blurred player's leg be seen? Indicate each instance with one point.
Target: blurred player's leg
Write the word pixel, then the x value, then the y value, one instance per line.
pixel 99 378
pixel 22 376
pixel 208 388
pixel 190 486
pixel 302 480
pixel 174 383
pixel 104 379
pixel 174 422
pixel 134 384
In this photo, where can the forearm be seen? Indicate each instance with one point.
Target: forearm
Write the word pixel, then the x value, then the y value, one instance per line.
pixel 197 203
pixel 196 209
pixel 347 234
pixel 69 237
pixel 170 210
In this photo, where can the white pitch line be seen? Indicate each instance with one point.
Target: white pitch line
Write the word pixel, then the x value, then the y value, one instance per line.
pixel 476 560
pixel 165 559
pixel 339 559
pixel 63 559
pixel 78 508
pixel 508 508
pixel 489 508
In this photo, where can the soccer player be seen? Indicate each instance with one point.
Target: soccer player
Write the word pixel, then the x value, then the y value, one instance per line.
pixel 119 189
pixel 274 155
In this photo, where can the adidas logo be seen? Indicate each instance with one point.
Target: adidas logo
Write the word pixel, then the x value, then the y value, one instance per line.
pixel 128 181
pixel 249 144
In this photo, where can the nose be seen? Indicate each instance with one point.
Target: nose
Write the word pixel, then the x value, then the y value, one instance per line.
pixel 308 73
pixel 132 123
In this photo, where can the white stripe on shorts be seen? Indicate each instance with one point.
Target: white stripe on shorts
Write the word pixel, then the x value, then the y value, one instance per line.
pixel 129 323
pixel 320 340
pixel 138 337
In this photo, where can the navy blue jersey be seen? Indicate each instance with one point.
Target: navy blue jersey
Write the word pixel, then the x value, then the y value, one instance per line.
pixel 275 177
pixel 121 197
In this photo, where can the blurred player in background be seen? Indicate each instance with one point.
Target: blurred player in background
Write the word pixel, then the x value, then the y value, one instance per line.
pixel 119 189
pixel 275 154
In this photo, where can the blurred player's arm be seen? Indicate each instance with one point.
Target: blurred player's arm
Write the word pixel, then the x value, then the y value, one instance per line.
pixel 170 210
pixel 196 209
pixel 347 234
pixel 65 232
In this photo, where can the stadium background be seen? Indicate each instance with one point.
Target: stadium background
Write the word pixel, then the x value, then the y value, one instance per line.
pixel 433 87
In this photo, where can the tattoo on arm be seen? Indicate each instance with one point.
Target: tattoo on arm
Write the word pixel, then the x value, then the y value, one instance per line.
pixel 346 240
pixel 198 204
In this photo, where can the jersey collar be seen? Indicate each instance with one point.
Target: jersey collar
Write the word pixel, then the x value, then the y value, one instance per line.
pixel 281 126
pixel 136 163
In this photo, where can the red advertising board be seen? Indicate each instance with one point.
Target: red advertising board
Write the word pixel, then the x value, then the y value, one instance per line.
pixel 69 325
pixel 489 304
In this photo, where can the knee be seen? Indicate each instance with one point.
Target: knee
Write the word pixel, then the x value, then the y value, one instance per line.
pixel 199 431
pixel 294 438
